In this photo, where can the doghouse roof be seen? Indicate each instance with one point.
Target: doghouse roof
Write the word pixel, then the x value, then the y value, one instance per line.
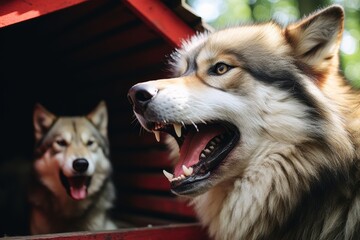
pixel 109 39
pixel 173 19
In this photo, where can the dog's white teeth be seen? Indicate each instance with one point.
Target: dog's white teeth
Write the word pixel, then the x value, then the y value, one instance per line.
pixel 168 175
pixel 187 171
pixel 157 135
pixel 207 151
pixel 202 155
pixel 177 128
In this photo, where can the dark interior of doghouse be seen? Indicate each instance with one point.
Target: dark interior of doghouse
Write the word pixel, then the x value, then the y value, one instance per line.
pixel 68 61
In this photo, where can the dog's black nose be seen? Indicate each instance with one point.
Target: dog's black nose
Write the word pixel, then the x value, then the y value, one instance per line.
pixel 80 165
pixel 140 95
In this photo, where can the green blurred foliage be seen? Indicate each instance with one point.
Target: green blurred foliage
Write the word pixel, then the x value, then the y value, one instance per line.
pixel 230 12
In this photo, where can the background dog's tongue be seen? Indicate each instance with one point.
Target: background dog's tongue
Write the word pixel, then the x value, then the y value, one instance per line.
pixel 193 144
pixel 78 188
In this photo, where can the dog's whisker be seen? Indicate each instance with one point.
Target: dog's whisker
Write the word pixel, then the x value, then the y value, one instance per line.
pixel 141 131
pixel 201 120
pixel 134 121
pixel 194 124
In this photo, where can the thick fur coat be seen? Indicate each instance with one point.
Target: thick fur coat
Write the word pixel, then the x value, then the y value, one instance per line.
pixel 266 130
pixel 72 188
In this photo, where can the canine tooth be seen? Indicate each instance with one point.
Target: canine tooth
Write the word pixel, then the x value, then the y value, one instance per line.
pixel 202 155
pixel 157 135
pixel 168 175
pixel 177 128
pixel 187 171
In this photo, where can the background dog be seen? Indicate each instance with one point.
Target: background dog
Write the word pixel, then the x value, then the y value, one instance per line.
pixel 72 190
pixel 265 128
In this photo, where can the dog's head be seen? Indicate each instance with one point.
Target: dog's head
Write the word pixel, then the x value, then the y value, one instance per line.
pixel 241 93
pixel 72 152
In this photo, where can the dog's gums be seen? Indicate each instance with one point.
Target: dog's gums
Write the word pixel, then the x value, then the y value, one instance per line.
pixel 203 147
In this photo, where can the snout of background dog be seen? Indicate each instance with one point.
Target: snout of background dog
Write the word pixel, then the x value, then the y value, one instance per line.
pixel 80 165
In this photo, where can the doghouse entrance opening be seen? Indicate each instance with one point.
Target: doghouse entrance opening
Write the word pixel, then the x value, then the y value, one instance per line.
pixel 69 61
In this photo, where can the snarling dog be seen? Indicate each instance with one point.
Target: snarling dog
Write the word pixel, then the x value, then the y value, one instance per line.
pixel 265 129
pixel 72 188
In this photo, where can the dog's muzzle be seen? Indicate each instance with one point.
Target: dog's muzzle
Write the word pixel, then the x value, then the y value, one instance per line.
pixel 77 184
pixel 203 146
pixel 80 165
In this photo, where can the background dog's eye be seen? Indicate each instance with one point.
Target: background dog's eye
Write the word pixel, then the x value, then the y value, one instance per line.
pixel 61 142
pixel 219 69
pixel 90 143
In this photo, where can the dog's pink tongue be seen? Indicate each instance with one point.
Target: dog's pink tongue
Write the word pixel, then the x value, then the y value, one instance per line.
pixel 78 188
pixel 78 193
pixel 193 145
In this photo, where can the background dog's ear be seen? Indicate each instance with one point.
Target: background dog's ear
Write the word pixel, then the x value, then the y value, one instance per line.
pixel 42 120
pixel 99 117
pixel 316 39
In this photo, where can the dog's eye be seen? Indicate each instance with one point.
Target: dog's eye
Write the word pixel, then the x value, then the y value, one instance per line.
pixel 61 142
pixel 90 143
pixel 219 69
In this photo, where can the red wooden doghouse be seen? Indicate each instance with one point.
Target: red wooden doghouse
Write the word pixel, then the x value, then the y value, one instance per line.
pixel 70 54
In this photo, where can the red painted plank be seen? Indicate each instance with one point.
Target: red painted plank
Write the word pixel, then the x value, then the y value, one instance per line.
pixel 143 181
pixel 191 231
pixel 166 205
pixel 122 140
pixel 161 18
pixel 19 10
pixel 143 220
pixel 145 159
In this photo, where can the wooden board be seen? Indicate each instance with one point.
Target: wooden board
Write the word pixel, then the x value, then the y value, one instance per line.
pixel 171 232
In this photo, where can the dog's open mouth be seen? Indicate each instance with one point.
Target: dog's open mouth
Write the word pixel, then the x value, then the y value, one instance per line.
pixel 76 186
pixel 203 147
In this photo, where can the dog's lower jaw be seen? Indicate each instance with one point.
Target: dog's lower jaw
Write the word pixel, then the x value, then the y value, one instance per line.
pixel 66 215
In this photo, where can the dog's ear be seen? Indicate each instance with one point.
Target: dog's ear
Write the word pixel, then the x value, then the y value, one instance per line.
pixel 316 39
pixel 42 120
pixel 99 117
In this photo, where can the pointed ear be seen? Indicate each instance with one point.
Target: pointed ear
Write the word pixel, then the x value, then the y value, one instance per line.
pixel 99 117
pixel 316 39
pixel 42 120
